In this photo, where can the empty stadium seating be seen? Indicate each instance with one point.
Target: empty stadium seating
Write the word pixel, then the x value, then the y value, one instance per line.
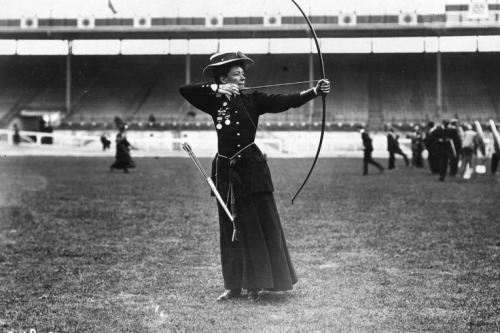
pixel 366 88
pixel 31 83
pixel 466 94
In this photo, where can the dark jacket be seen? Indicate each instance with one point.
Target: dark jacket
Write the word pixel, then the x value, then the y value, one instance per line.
pixel 236 122
pixel 367 141
pixel 392 142
pixel 442 137
pixel 430 142
pixel 453 133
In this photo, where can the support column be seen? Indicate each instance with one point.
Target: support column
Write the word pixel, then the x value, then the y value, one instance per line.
pixel 68 78
pixel 188 68
pixel 186 106
pixel 439 86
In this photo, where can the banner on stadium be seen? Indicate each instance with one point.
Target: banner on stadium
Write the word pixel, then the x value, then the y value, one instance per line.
pixel 478 10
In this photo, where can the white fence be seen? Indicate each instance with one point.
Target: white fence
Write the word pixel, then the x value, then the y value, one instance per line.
pixel 204 143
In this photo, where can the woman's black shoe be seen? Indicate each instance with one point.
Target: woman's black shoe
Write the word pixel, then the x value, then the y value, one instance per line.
pixel 229 294
pixel 253 295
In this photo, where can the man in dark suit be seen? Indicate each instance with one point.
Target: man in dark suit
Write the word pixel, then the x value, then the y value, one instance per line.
pixel 393 148
pixel 368 149
pixel 432 146
pixel 443 135
pixel 455 134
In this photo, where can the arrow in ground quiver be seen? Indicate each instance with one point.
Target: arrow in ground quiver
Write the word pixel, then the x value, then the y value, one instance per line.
pixel 480 135
pixel 188 149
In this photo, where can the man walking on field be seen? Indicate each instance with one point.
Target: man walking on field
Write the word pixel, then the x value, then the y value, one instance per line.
pixel 368 149
pixel 393 148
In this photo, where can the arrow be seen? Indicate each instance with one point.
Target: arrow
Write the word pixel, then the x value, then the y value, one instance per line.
pixel 277 85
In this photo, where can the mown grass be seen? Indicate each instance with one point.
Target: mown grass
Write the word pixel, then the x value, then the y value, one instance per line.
pixel 86 250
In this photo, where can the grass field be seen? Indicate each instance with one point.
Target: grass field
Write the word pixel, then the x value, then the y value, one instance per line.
pixel 86 250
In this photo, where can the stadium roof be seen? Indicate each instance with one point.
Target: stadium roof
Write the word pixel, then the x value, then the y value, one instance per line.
pixel 188 20
pixel 197 8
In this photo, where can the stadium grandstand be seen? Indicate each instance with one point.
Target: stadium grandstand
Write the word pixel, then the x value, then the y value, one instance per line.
pixel 78 65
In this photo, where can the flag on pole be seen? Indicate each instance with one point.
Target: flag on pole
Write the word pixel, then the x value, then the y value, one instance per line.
pixel 110 5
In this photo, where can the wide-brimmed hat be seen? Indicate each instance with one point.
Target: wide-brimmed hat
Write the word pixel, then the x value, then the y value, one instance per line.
pixel 225 58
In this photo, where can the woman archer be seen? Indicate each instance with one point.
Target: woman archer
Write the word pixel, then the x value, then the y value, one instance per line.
pixel 259 258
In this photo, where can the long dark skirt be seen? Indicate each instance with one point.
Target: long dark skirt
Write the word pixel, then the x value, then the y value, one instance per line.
pixel 123 160
pixel 259 258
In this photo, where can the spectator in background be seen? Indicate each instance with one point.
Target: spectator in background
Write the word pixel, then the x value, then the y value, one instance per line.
pixel 47 128
pixel 106 143
pixel 393 148
pixel 417 147
pixel 495 157
pixel 431 146
pixel 455 133
pixel 123 160
pixel 368 149
pixel 470 145
pixel 118 122
pixel 151 121
pixel 445 147
pixel 16 137
pixel 494 148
